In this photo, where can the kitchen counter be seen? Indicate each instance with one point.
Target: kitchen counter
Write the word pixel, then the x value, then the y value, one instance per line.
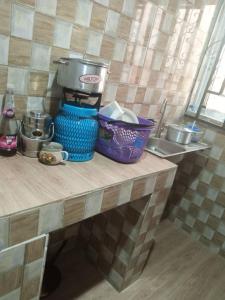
pixel 25 183
pixel 124 203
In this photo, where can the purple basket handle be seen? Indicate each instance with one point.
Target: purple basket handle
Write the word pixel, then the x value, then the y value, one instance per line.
pixel 131 125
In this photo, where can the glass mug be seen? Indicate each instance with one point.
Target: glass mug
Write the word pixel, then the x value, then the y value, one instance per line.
pixel 52 154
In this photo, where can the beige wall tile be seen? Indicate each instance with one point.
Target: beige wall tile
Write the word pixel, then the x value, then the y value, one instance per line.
pixel 21 105
pixel 124 27
pixel 107 47
pixel 34 250
pixel 15 295
pixel 138 188
pixel 30 289
pixel 5 13
pixel 110 197
pixel 19 52
pixel 56 53
pixel 66 9
pixel 10 280
pixel 23 227
pixel 38 83
pixel 98 17
pixel 116 5
pixel 40 58
pixel 3 79
pixel 74 210
pixel 79 39
pixel 43 28
pixel 115 70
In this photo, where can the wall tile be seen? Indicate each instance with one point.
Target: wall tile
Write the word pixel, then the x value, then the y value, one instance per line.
pixel 43 28
pixel 107 47
pixel 125 193
pixel 3 79
pixel 119 50
pixel 28 2
pixel 124 27
pixel 5 14
pixel 116 5
pixel 98 17
pixel 94 43
pixel 47 7
pixel 110 197
pixel 110 92
pixel 34 250
pixel 10 280
pixel 4 229
pixel 19 52
pixel 40 58
pixel 22 22
pixel 79 38
pixel 66 9
pixel 112 22
pixel 4 49
pixel 83 12
pixel 23 227
pixel 34 103
pixel 19 86
pixel 38 84
pixel 103 2
pixel 74 210
pixel 128 7
pixel 62 34
pixel 93 204
pixel 11 258
pixel 55 213
pixel 15 295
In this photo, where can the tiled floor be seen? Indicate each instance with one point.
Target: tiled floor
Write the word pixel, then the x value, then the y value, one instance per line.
pixel 179 269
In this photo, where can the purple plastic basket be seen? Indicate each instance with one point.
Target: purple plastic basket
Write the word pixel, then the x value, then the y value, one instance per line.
pixel 123 142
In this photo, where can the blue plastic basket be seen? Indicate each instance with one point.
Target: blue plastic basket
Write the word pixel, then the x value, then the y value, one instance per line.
pixel 76 128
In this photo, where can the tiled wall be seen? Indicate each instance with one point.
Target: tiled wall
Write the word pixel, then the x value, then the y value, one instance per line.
pixel 21 269
pixel 197 200
pixel 152 46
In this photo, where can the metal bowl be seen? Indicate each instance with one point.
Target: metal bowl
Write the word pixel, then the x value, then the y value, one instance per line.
pixel 179 134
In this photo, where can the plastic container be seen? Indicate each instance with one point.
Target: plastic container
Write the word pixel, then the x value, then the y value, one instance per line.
pixel 76 128
pixel 197 133
pixel 121 141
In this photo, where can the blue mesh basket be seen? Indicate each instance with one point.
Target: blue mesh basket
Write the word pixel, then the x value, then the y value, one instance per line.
pixel 76 128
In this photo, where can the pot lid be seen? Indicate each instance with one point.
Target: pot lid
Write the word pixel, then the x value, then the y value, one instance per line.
pixel 87 62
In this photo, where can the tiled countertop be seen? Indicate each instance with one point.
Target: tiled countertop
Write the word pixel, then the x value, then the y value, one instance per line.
pixel 26 184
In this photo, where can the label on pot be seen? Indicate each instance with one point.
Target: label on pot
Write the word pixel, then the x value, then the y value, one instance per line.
pixel 88 78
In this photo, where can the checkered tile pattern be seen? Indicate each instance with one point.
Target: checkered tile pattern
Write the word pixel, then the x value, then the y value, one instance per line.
pixel 147 44
pixel 21 269
pixel 119 241
pixel 197 200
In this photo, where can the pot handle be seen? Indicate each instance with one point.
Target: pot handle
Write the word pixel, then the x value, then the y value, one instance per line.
pixel 61 61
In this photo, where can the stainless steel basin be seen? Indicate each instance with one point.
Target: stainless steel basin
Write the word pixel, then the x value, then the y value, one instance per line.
pixel 172 151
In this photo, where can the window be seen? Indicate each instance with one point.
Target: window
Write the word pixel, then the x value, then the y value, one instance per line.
pixel 207 98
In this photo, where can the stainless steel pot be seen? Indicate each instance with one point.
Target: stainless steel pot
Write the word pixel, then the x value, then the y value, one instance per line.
pixel 179 134
pixel 31 146
pixel 81 74
pixel 37 125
